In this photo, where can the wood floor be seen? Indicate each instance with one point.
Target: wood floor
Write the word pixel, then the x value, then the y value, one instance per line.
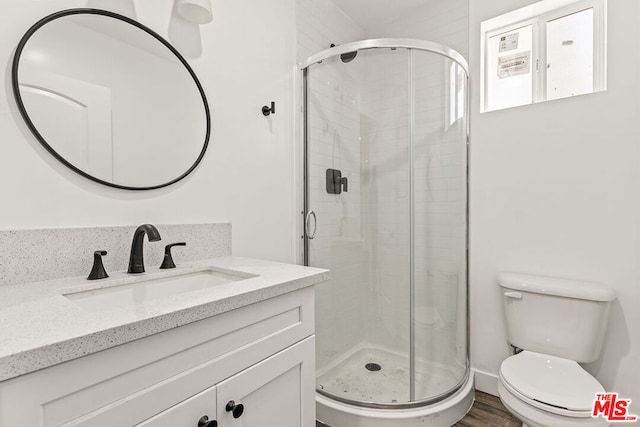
pixel 487 411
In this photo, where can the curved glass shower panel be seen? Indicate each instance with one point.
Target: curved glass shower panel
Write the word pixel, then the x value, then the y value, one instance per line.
pixel 386 209
pixel 440 224
pixel 356 126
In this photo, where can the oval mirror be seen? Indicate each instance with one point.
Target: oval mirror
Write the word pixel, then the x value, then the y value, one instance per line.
pixel 111 99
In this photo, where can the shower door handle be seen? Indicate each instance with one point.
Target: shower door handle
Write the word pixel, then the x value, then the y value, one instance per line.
pixel 315 225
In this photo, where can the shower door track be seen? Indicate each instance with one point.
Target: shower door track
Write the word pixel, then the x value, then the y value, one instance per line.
pixel 403 405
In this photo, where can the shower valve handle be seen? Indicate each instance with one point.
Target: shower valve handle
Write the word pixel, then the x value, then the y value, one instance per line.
pixel 335 182
pixel 344 182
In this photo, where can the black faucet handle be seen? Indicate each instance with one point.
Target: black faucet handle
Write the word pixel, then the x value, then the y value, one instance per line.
pixel 168 247
pixel 167 262
pixel 98 271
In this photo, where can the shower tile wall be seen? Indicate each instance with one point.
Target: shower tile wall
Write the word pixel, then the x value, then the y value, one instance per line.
pixel 385 169
pixel 439 202
pixel 320 23
pixel 333 119
pixel 440 207
pixel 440 191
pixel 334 123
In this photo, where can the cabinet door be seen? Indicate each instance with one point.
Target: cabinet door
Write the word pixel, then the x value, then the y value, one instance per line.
pixel 277 392
pixel 186 413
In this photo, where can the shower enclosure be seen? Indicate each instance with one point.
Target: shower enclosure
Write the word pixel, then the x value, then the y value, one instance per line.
pixel 386 133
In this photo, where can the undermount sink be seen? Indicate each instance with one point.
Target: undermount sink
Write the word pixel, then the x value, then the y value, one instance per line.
pixel 141 292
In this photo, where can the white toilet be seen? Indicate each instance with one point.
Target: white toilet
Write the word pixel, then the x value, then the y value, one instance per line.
pixel 556 323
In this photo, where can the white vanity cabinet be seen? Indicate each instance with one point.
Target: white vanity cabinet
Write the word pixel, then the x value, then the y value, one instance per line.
pixel 260 356
pixel 271 394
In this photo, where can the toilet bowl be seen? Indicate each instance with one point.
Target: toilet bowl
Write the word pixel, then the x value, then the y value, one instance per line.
pixel 554 324
pixel 548 391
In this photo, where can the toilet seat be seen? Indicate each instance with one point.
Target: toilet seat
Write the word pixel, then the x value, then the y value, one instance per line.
pixel 550 383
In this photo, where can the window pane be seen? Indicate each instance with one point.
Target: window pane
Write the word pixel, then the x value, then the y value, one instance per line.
pixel 570 55
pixel 508 78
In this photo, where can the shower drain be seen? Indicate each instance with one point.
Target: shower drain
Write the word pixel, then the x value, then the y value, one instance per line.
pixel 372 367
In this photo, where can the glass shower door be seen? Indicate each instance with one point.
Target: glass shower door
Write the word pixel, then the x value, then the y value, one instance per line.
pixel 357 203
pixel 439 103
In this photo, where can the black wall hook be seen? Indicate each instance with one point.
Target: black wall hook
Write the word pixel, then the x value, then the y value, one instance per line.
pixel 266 110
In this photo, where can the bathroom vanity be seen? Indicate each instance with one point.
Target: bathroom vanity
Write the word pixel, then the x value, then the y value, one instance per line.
pixel 238 350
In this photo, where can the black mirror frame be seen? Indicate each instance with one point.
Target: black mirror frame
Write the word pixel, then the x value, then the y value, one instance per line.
pixel 41 139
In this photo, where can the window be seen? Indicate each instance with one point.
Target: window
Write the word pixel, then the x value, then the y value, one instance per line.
pixel 552 49
pixel 457 87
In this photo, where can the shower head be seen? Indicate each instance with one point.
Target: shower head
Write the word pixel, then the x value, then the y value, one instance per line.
pixel 347 57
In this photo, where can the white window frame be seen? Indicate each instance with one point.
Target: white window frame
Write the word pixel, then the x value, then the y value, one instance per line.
pixel 538 15
pixel 457 100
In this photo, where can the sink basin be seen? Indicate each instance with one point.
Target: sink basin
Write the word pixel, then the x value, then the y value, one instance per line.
pixel 144 291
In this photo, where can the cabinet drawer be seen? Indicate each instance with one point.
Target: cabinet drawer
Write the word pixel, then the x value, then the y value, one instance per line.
pixel 187 413
pixel 131 383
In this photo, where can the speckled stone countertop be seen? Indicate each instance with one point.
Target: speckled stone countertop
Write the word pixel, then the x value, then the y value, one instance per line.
pixel 39 327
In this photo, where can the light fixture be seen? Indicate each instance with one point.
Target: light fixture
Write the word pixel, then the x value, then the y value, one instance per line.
pixel 198 11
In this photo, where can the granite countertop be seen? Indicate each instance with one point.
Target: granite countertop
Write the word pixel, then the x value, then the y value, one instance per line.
pixel 39 327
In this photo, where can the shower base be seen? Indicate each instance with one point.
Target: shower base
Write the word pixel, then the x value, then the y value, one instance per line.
pixel 348 378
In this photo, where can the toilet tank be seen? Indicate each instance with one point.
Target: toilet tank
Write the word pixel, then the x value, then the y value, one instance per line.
pixel 559 317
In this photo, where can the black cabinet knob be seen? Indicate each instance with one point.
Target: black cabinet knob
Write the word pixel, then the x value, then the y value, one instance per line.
pixel 205 422
pixel 236 410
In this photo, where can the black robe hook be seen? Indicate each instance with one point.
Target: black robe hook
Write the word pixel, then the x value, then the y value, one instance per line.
pixel 266 110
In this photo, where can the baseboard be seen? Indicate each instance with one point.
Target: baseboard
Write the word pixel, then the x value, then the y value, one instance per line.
pixel 486 382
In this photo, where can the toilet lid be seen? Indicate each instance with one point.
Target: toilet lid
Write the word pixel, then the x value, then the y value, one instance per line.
pixel 551 380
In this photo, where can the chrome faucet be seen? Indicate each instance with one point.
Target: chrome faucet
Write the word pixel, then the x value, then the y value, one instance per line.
pixel 136 260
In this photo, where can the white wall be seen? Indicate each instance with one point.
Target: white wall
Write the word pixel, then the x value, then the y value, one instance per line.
pixel 440 21
pixel 244 59
pixel 555 191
